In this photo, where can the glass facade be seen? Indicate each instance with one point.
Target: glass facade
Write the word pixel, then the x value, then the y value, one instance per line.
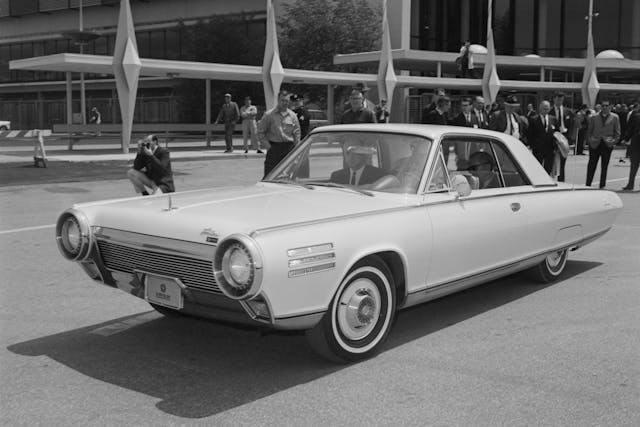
pixel 551 28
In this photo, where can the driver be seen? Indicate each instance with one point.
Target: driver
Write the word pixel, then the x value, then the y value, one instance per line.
pixel 481 166
pixel 358 170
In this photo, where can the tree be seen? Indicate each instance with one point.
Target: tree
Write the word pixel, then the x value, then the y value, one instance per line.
pixel 313 31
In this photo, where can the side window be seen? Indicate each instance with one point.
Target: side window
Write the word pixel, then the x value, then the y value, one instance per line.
pixel 439 179
pixel 473 159
pixel 511 174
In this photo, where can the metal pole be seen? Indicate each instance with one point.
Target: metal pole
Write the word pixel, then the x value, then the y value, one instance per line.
pixel 207 103
pixel 83 106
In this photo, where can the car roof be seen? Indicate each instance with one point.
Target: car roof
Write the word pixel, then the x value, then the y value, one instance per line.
pixel 532 167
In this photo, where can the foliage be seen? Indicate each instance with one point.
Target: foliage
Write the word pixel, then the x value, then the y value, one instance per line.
pixel 313 31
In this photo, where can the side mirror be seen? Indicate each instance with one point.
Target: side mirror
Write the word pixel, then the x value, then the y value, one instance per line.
pixel 460 185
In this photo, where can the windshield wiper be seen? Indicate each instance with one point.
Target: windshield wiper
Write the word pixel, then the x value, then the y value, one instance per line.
pixel 336 185
pixel 285 181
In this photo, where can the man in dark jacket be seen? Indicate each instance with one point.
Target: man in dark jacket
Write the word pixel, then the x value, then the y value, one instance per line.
pixel 438 116
pixel 540 136
pixel 151 168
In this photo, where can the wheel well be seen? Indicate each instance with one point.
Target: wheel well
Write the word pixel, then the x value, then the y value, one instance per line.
pixel 394 262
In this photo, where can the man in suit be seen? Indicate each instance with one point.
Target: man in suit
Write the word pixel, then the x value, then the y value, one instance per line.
pixel 508 120
pixel 565 118
pixel 358 170
pixel 633 136
pixel 480 113
pixel 438 116
pixel 357 113
pixel 466 118
pixel 540 136
pixel 603 134
pixel 229 115
pixel 437 94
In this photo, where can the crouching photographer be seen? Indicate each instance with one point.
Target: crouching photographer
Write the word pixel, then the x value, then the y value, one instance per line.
pixel 151 172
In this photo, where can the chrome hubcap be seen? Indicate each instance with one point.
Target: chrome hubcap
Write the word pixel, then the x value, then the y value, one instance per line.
pixel 359 309
pixel 555 260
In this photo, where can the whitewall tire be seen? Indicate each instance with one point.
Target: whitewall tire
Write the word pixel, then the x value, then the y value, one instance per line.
pixel 551 268
pixel 360 315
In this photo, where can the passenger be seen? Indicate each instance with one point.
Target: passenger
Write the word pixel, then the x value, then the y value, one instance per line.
pixel 358 170
pixel 481 166
pixel 409 169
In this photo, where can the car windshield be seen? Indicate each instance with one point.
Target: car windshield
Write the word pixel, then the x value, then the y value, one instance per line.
pixel 386 162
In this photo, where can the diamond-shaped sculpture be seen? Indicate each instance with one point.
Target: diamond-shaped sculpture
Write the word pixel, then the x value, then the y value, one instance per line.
pixel 493 86
pixel 131 64
pixel 386 78
pixel 272 71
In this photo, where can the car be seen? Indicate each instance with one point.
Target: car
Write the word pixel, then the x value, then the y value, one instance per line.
pixel 315 247
pixel 5 125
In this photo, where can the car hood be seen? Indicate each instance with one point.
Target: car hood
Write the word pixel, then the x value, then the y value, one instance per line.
pixel 223 211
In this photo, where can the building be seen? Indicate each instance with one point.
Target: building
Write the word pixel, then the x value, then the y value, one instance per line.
pixel 536 41
pixel 540 45
pixel 31 28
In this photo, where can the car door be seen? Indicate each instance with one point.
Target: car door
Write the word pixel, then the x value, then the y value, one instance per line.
pixel 475 234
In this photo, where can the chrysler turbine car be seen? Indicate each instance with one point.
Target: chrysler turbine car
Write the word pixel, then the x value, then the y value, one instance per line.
pixel 356 223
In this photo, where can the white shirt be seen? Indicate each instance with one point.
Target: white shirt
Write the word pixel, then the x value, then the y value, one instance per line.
pixel 358 175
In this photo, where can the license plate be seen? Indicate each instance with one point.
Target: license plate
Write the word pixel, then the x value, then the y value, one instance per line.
pixel 163 291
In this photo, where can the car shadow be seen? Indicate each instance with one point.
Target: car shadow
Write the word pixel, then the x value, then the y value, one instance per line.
pixel 198 368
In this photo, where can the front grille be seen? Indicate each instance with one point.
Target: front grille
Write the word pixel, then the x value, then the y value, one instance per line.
pixel 193 272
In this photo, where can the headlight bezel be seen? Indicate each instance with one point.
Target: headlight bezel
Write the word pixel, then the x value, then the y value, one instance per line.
pixel 224 276
pixel 85 238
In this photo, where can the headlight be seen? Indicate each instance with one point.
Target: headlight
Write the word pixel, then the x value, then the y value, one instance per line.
pixel 237 267
pixel 73 235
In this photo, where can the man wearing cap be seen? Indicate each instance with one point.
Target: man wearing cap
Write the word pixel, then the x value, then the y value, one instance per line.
pixel 357 113
pixel 279 131
pixel 151 168
pixel 565 118
pixel 508 120
pixel 540 136
pixel 302 114
pixel 229 115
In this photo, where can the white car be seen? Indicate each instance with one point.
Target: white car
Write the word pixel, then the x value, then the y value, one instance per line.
pixel 5 125
pixel 430 210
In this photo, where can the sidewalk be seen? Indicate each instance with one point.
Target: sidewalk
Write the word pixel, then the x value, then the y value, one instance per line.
pixel 21 151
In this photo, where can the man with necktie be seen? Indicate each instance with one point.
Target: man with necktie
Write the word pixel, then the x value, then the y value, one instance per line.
pixel 508 120
pixel 480 113
pixel 565 118
pixel 540 136
pixel 466 118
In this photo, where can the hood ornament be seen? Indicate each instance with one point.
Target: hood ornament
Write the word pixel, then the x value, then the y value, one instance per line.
pixel 170 204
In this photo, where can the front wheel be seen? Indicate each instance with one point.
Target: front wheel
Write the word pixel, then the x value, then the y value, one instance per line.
pixel 551 268
pixel 360 315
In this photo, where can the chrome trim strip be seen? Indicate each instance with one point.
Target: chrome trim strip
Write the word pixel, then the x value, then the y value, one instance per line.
pixel 304 271
pixel 310 250
pixel 312 259
pixel 154 243
pixel 299 321
pixel 508 266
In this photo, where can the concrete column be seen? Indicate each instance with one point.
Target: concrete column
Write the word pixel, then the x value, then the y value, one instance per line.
pixel 542 26
pixel 399 16
pixel 439 69
pixel 331 108
pixel 40 111
pixel 69 98
pixel 635 30
pixel 464 20
pixel 542 71
pixel 207 103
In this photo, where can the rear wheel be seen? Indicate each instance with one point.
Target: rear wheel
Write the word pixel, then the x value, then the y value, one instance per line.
pixel 551 268
pixel 360 315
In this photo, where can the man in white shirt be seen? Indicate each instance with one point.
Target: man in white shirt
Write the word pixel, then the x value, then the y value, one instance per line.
pixel 565 118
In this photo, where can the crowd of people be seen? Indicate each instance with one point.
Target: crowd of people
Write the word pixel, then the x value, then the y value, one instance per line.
pixel 548 131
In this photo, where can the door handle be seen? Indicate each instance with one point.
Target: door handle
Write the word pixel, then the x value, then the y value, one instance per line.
pixel 515 206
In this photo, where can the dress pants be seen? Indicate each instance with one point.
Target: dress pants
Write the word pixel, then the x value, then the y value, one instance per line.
pixel 229 127
pixel 276 152
pixel 601 151
pixel 249 128
pixel 546 159
pixel 634 149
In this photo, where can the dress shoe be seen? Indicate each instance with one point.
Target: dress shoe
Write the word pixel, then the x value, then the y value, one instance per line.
pixel 627 188
pixel 259 151
pixel 228 151
pixel 246 151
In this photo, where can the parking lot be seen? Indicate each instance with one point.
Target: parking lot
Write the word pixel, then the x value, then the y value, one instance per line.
pixel 511 352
